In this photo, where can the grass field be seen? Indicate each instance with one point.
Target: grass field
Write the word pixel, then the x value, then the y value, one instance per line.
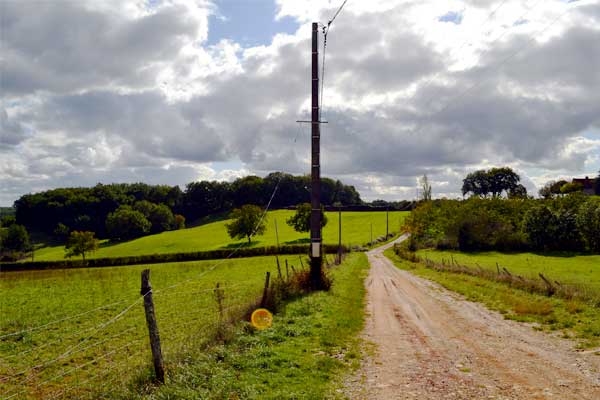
pixel 305 355
pixel 572 269
pixel 572 318
pixel 356 230
pixel 103 351
pixel 93 343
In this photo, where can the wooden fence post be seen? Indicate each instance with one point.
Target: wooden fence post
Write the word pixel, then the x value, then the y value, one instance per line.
pixel 157 358
pixel 263 301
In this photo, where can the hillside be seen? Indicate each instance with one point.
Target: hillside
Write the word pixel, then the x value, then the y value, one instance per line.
pixel 356 230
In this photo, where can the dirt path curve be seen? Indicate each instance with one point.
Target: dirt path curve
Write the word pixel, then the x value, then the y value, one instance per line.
pixel 432 344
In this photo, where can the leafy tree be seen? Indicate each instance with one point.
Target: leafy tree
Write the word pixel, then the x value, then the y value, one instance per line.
pixel 495 181
pixel 540 225
pixel 588 222
pixel 62 231
pixel 300 221
pixel 162 219
pixel 425 188
pixel 179 221
pixel 15 239
pixel 126 223
pixel 502 180
pixel 80 243
pixel 518 192
pixel 160 216
pixel 7 221
pixel 476 183
pixel 552 188
pixel 246 222
pixel 571 187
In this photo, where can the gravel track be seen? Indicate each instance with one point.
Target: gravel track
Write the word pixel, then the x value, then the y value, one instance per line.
pixel 432 344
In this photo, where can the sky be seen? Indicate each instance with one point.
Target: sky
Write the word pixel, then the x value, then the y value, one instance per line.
pixel 173 91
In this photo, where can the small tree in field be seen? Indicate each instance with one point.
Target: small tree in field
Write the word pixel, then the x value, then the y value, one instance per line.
pixel 246 222
pixel 301 220
pixel 80 243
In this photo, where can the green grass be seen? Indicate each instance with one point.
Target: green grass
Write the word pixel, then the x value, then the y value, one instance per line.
pixel 303 356
pixel 573 319
pixel 300 357
pixel 34 298
pixel 356 230
pixel 571 269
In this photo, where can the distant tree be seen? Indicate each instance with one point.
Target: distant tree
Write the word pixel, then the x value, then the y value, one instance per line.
pixel 494 181
pixel 425 188
pixel 597 184
pixel 15 239
pixel 476 183
pixel 300 221
pixel 160 216
pixel 7 221
pixel 552 188
pixel 518 192
pixel 502 180
pixel 126 223
pixel 571 187
pixel 246 222
pixel 179 221
pixel 80 243
pixel 62 231
pixel 162 219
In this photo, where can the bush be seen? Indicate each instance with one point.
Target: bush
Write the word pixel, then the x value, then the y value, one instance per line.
pixel 588 223
pixel 126 223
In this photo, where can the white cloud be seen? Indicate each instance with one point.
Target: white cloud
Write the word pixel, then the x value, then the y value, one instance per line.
pixel 131 91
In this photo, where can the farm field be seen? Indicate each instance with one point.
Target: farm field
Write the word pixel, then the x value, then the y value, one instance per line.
pixel 82 333
pixel 66 351
pixel 355 231
pixel 571 269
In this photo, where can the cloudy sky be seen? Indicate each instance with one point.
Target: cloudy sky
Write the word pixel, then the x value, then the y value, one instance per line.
pixel 171 91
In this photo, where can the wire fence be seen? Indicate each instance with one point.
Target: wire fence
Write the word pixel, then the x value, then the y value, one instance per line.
pixel 90 348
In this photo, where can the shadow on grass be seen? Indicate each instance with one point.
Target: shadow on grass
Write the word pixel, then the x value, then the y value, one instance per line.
pixel 241 245
pixel 298 241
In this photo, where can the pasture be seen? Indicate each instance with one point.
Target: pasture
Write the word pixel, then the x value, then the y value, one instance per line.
pixel 566 268
pixel 356 230
pixel 82 333
pixel 66 333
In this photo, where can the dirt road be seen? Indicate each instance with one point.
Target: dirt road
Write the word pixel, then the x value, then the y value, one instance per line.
pixel 431 344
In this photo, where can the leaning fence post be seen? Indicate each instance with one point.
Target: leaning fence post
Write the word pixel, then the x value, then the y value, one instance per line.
pixel 263 301
pixel 146 291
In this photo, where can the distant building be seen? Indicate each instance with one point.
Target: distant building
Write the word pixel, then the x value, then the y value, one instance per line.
pixel 587 183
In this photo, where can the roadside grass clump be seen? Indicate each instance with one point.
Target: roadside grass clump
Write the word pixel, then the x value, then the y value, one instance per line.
pixel 574 318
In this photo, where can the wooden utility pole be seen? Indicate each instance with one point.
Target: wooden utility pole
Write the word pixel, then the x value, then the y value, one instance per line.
pixel 157 358
pixel 339 234
pixel 387 222
pixel 316 257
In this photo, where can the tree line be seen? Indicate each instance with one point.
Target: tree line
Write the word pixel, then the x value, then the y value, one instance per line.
pixel 126 211
pixel 500 215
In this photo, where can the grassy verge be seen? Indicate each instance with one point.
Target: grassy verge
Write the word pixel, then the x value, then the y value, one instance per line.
pixel 303 356
pixel 213 236
pixel 566 268
pixel 570 318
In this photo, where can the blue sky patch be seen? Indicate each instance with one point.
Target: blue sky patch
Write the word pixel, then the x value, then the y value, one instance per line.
pixel 248 22
pixel 454 17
